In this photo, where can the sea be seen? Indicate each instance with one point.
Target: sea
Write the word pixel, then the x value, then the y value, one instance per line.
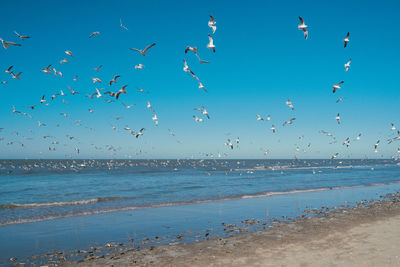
pixel 65 205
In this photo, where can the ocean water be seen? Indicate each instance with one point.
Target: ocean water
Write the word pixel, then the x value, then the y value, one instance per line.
pixel 70 204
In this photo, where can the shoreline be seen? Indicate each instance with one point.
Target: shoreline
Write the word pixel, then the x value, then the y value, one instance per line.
pixel 322 239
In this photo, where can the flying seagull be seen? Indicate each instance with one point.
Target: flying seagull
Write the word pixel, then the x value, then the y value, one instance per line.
pixel 210 44
pixel 289 103
pixel 212 24
pixel 303 27
pixel 140 67
pixel 114 80
pixel 7 43
pixel 121 25
pixel 193 49
pixel 98 68
pixel 259 118
pixel 339 100
pixel 143 52
pixel 337 86
pixel 203 111
pixel 69 53
pixel 346 39
pixel 22 37
pixel 347 65
pixel 93 34
pixel 337 118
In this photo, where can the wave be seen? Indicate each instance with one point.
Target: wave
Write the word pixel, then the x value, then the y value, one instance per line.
pixel 275 168
pixel 54 204
pixel 258 195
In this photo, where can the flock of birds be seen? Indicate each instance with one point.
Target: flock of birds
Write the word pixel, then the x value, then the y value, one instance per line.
pixel 115 95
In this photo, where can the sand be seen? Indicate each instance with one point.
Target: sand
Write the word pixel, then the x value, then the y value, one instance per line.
pixel 361 236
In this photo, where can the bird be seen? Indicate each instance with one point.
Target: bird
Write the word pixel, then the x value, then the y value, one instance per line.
pixel 32 107
pixel 3 82
pixel 339 100
pixel 121 91
pixel 93 34
pixel 337 118
pixel 140 67
pixel 22 37
pixel 140 132
pixel 91 110
pixel 259 118
pixel 54 96
pixel 201 86
pixel 96 80
pixel 347 65
pixel 268 118
pixel 334 155
pixel 210 44
pixel 187 69
pixel 203 111
pixel 7 43
pixel 75 78
pixel 149 106
pixel 346 39
pixel 197 119
pixel 393 127
pixel 155 119
pixel 121 25
pixel 128 107
pixel 72 91
pixel 273 128
pixel 143 52
pixel 16 76
pixel 141 90
pixel 288 122
pixel 229 143
pixel 43 100
pixel 337 86
pixel 114 80
pixel 212 24
pixel 69 53
pixel 64 61
pixel 358 137
pixel 376 145
pixel 47 69
pixel 9 70
pixel 98 68
pixel 303 27
pixel 289 103
pixel 193 49
pixel 98 94
pixel 41 124
pixel 347 142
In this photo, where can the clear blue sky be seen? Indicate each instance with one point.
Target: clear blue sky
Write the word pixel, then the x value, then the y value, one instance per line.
pixel 261 60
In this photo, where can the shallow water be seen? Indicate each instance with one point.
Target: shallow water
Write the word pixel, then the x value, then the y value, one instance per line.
pixel 137 199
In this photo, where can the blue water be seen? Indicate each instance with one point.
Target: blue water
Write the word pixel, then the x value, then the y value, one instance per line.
pixel 70 204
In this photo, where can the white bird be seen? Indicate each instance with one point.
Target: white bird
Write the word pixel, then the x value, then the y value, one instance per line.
pixel 155 119
pixel 273 128
pixel 358 137
pixel 140 67
pixel 98 94
pixel 6 43
pixel 98 68
pixel 140 132
pixel 197 119
pixel 337 86
pixel 93 34
pixel 187 69
pixel 22 37
pixel 212 24
pixel 43 100
pixel 376 145
pixel 259 118
pixel 16 76
pixel 201 86
pixel 347 65
pixel 340 99
pixel 288 122
pixel 64 61
pixel 96 80
pixel 69 53
pixel 149 106
pixel 47 69
pixel 289 103
pixel 121 25
pixel 210 44
pixel 72 91
pixel 9 70
pixel 193 49
pixel 268 118
pixel 303 27
pixel 347 142
pixel 337 118
pixel 229 143
pixel 62 93
pixel 334 155
pixel 203 111
pixel 128 106
pixel 143 52
pixel 393 127
pixel 346 39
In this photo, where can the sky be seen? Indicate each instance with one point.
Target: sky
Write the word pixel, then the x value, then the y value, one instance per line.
pixel 261 60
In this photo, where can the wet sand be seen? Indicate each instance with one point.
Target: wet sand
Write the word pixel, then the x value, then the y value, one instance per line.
pixel 367 235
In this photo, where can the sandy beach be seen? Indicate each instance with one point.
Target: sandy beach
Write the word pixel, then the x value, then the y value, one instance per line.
pixel 367 235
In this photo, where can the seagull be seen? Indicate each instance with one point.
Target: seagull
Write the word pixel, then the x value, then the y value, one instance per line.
pixel 143 52
pixel 289 103
pixel 340 99
pixel 96 80
pixel 334 155
pixel 93 34
pixel 259 118
pixel 98 94
pixel 121 25
pixel 337 86
pixel 32 107
pixel 268 118
pixel 337 118
pixel 203 111
pixel 303 27
pixel 140 132
pixel 9 70
pixel 193 49
pixel 229 143
pixel 376 145
pixel 69 53
pixel 155 119
pixel 75 78
pixel 187 69
pixel 273 128
pixel 54 96
pixel 347 142
pixel 141 90
pixel 6 43
pixel 347 65
pixel 64 61
pixel 16 76
pixel 346 39
pixel 201 86
pixel 72 91
pixel 98 68
pixel 358 137
pixel 128 107
pixel 393 127
pixel 114 80
pixel 140 67
pixel 149 106
pixel 120 91
pixel 42 100
pixel 91 110
pixel 41 124
pixel 210 44
pixel 197 119
pixel 22 37
pixel 212 24
pixel 47 69
pixel 62 93
pixel 288 122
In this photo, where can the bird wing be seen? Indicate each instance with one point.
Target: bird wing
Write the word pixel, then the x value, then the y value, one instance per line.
pixel 148 47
